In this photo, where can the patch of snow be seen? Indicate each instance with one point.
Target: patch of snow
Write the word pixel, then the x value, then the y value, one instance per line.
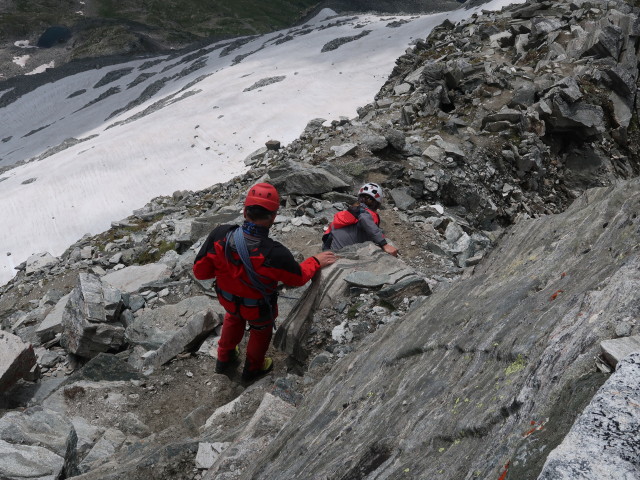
pixel 42 68
pixel 21 61
pixel 24 44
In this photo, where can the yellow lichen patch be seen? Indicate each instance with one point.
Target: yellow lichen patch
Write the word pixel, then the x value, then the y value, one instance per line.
pixel 517 365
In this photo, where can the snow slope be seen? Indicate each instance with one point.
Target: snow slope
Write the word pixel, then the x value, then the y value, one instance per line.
pixel 188 123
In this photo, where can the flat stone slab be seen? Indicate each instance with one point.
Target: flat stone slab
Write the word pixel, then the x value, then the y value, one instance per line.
pixel 603 442
pixel 616 349
pixel 131 278
pixel 367 279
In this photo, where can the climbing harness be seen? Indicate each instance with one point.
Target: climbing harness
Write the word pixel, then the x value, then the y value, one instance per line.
pixel 258 282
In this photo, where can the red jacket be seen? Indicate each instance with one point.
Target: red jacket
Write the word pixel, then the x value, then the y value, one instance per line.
pixel 269 258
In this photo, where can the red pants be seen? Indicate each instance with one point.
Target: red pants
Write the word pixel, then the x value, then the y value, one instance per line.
pixel 232 332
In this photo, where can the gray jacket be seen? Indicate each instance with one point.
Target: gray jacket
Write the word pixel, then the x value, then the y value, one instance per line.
pixel 362 231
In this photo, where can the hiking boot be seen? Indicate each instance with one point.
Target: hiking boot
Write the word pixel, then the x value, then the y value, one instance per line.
pixel 222 367
pixel 250 375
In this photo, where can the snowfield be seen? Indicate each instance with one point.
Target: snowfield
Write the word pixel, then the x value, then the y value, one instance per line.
pixel 149 127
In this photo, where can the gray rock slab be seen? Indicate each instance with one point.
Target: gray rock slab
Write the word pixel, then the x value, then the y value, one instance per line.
pixel 131 279
pixel 105 368
pixel 255 157
pixel 243 406
pixel 29 462
pixel 16 359
pixel 87 434
pixel 450 149
pixel 188 337
pixel 291 332
pixel 366 279
pixel 603 442
pixel 402 88
pixel 52 323
pixel 156 326
pixel 37 426
pixel 616 349
pixel 408 287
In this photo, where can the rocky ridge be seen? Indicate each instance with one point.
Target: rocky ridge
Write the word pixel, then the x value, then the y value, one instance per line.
pixel 496 123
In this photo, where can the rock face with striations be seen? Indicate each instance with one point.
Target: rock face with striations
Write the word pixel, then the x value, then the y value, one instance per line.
pixel 456 386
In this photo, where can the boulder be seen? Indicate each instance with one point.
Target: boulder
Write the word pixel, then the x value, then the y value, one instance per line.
pixel 103 450
pixel 16 360
pixel 153 328
pixel 395 138
pixel 374 143
pixel 189 337
pixel 357 262
pixel 578 117
pixel 91 318
pixel 203 226
pixel 40 261
pixel 402 89
pixel 42 428
pixel 308 181
pixel 402 198
pixel 29 462
pixel 255 157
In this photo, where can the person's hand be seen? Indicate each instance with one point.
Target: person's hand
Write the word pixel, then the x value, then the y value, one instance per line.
pixel 326 258
pixel 390 249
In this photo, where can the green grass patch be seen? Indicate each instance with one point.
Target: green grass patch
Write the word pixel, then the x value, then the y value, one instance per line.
pixel 154 254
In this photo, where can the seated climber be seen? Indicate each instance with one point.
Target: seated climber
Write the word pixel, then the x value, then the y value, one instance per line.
pixel 359 223
pixel 247 266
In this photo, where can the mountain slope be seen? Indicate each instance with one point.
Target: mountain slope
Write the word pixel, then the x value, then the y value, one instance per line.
pixel 102 142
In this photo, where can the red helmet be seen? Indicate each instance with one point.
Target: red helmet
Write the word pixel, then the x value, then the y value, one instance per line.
pixel 265 195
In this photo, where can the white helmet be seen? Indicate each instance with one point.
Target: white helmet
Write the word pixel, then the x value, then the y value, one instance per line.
pixel 373 190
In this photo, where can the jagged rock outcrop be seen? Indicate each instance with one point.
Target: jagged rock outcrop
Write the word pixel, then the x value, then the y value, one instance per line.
pixel 360 266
